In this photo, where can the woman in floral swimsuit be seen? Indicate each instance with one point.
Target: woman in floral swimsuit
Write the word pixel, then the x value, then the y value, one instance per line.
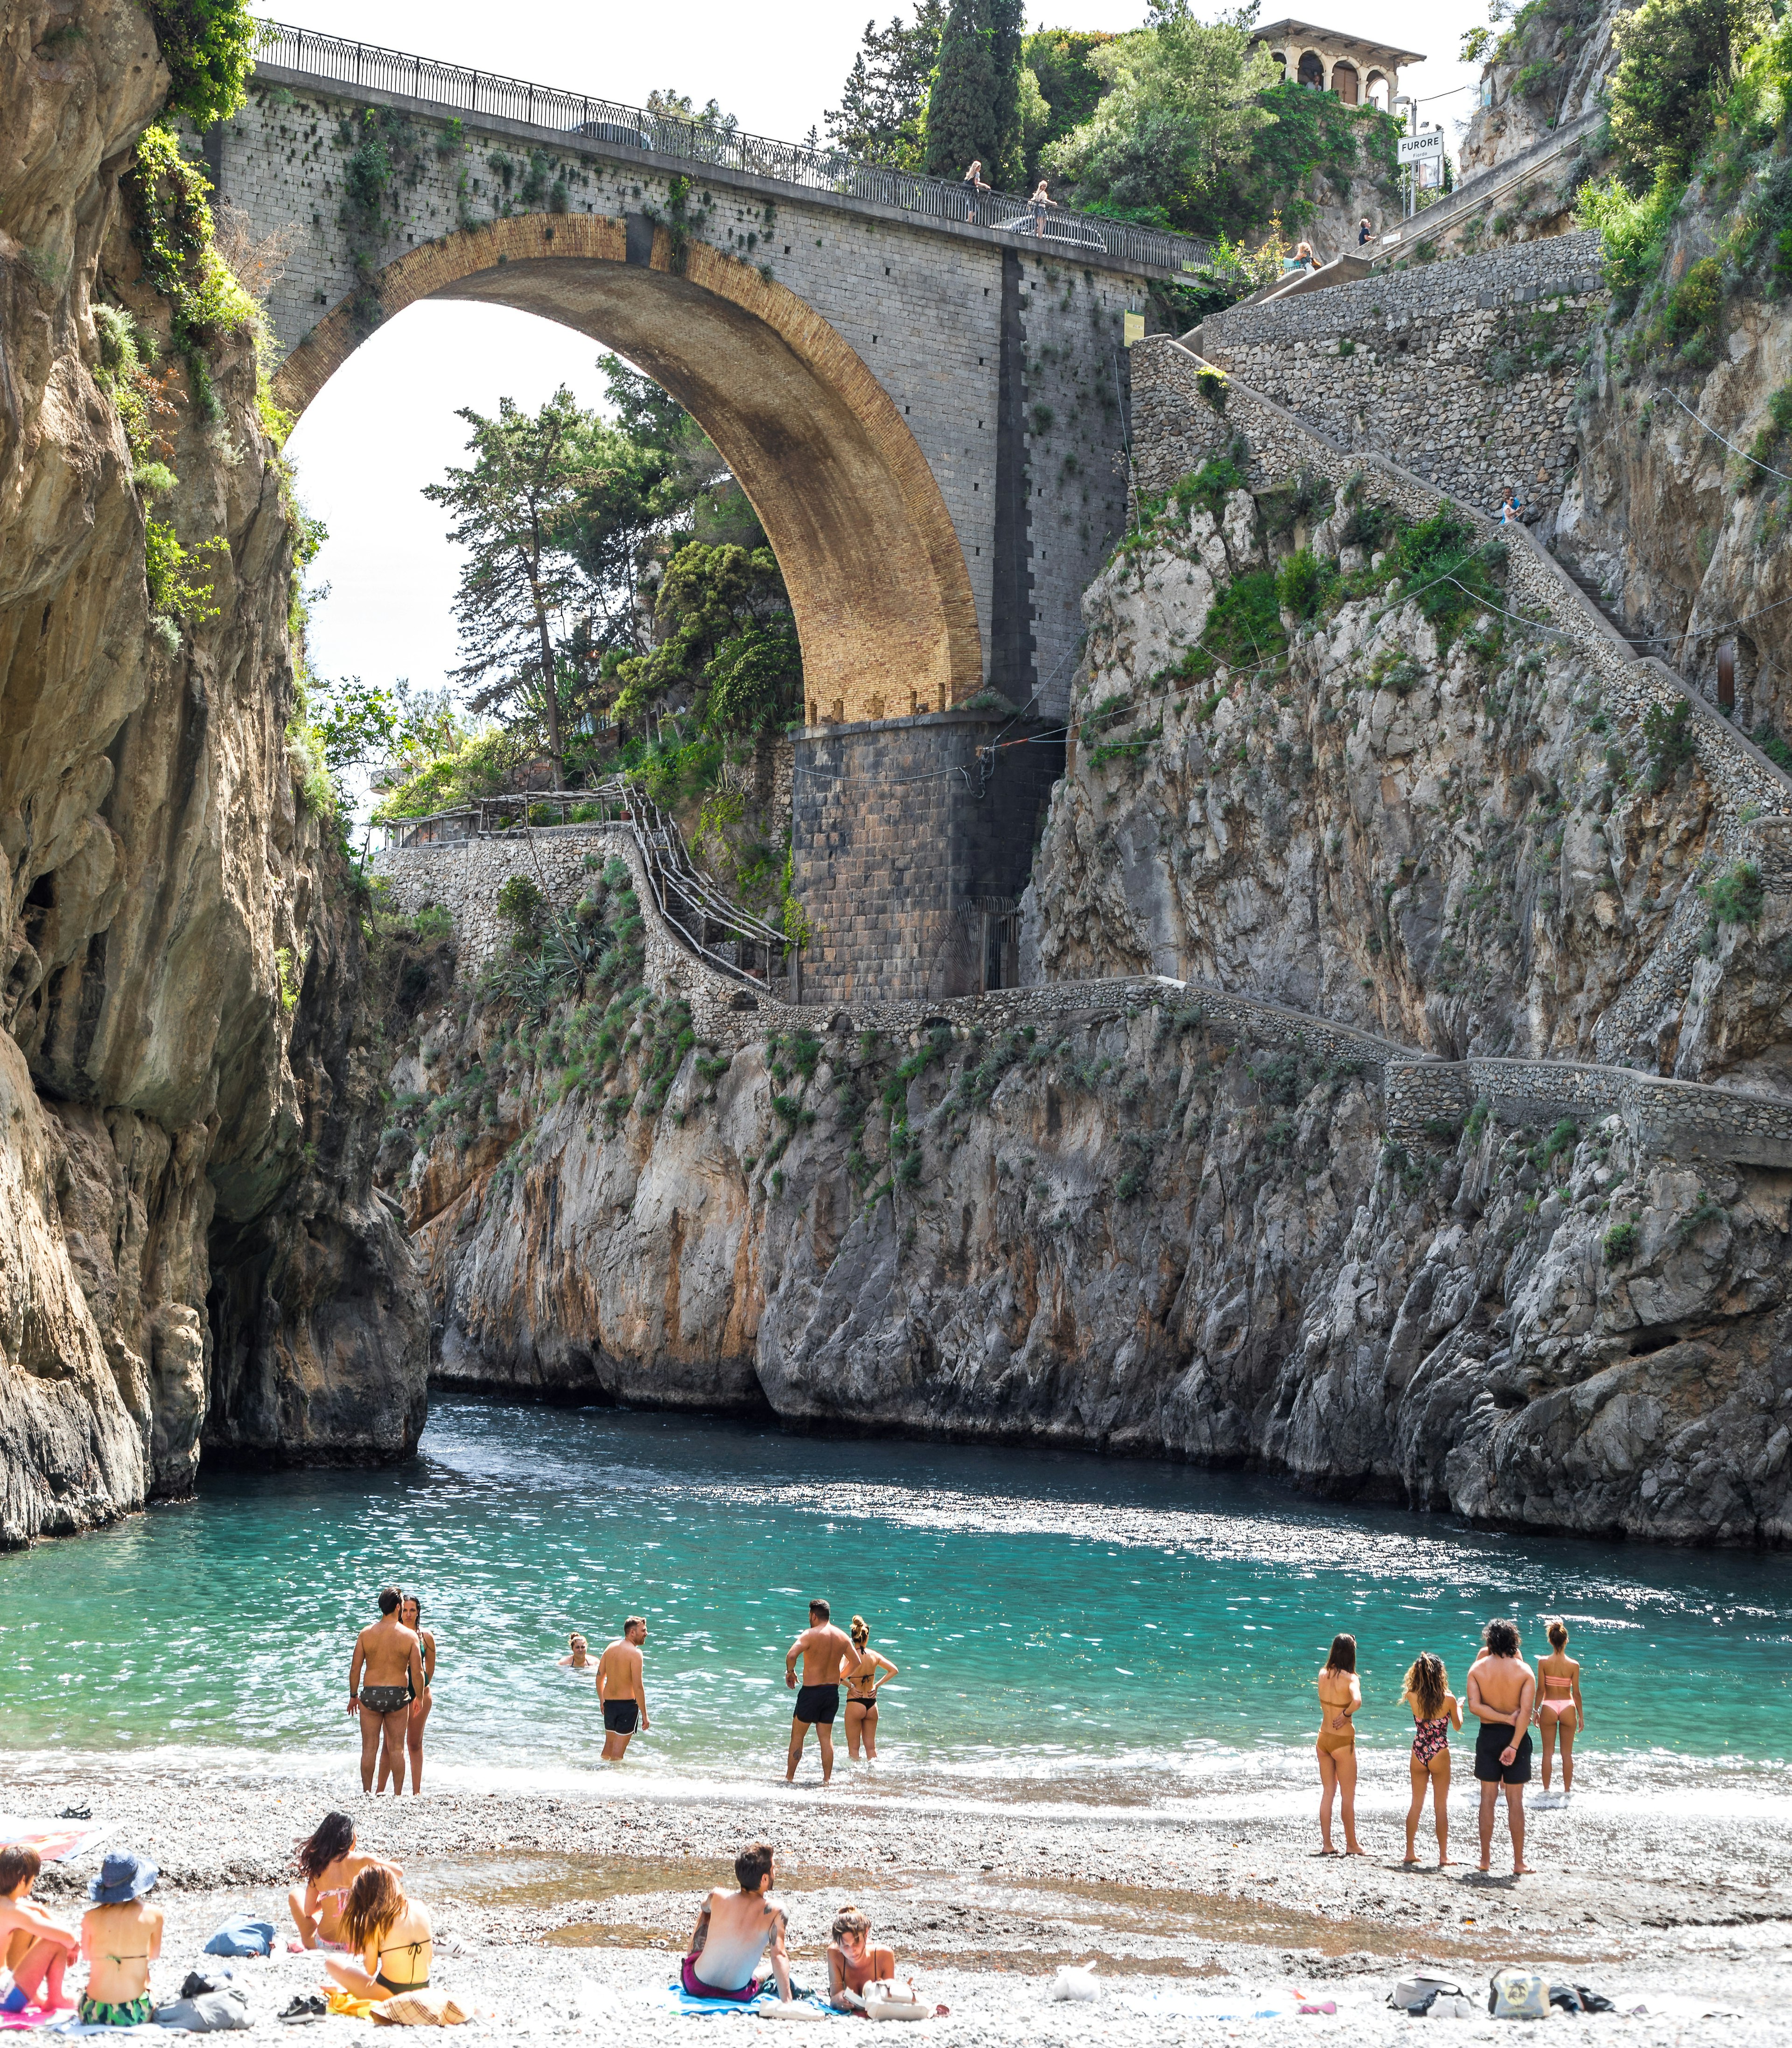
pixel 1436 1710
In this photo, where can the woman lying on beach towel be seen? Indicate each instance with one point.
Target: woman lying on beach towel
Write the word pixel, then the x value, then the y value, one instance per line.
pixel 390 1933
pixel 329 1863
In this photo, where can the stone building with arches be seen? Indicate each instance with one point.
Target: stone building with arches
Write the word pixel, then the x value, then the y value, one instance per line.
pixel 1360 72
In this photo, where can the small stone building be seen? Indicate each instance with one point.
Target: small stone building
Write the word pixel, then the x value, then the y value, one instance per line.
pixel 1359 71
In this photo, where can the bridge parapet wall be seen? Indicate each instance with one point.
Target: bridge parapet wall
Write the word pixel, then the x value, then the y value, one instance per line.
pixel 1462 371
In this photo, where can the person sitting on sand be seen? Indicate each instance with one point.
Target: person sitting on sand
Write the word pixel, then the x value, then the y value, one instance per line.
pixel 860 1672
pixel 1559 1710
pixel 389 1658
pixel 1501 1688
pixel 329 1863
pixel 621 1688
pixel 825 1651
pixel 121 1937
pixel 852 1962
pixel 390 1934
pixel 731 1933
pixel 1436 1710
pixel 579 1660
pixel 37 1948
pixel 1341 1694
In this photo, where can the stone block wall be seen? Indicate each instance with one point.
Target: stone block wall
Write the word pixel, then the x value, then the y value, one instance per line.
pixel 1462 372
pixel 902 831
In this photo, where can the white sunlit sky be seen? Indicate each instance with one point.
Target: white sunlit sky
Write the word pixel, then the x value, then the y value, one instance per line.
pixel 385 424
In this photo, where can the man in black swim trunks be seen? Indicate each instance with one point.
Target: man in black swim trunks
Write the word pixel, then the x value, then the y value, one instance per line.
pixel 385 1675
pixel 1501 1690
pixel 620 1687
pixel 824 1649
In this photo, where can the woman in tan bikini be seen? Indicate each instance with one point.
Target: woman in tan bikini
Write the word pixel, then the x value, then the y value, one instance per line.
pixel 1558 1703
pixel 329 1863
pixel 1436 1710
pixel 1340 1695
pixel 389 1933
pixel 860 1672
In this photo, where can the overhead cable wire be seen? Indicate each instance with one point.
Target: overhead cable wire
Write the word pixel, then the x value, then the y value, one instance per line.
pixel 1730 444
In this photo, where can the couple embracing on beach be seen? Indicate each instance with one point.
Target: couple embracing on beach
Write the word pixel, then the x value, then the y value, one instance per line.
pixel 389 1677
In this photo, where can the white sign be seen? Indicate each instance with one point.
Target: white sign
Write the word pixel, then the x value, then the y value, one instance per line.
pixel 1421 148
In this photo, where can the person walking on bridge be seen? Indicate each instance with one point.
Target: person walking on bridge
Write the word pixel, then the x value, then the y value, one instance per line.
pixel 974 178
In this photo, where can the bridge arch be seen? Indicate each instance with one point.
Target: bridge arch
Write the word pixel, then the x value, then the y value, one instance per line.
pixel 876 573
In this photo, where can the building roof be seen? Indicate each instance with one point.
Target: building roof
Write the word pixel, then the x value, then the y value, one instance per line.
pixel 1288 32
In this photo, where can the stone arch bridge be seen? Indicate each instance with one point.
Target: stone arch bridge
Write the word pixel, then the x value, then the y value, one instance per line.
pixel 924 408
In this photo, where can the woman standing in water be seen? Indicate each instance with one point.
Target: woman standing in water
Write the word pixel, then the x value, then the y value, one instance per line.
pixel 860 1672
pixel 410 1611
pixel 1558 1705
pixel 1436 1710
pixel 1340 1695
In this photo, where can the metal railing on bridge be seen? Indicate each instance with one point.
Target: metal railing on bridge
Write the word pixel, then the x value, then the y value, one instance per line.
pixel 730 939
pixel 339 59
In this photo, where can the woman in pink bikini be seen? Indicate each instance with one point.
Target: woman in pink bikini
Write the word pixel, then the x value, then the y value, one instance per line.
pixel 1436 1710
pixel 1558 1703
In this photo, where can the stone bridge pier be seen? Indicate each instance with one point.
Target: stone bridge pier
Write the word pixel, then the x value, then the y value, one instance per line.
pixel 927 410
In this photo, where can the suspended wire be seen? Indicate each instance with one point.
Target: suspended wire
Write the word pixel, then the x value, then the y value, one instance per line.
pixel 1731 445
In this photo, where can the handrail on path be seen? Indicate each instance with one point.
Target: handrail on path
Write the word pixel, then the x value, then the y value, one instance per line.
pixel 343 60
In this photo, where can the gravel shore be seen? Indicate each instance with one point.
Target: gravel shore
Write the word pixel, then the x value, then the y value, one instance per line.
pixel 565 1912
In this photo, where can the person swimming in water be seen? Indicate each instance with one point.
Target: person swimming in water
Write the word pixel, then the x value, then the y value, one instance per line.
pixel 1558 1708
pixel 1436 1710
pixel 860 1671
pixel 579 1660
pixel 1341 1694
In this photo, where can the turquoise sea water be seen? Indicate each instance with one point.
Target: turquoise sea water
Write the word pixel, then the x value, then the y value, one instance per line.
pixel 1065 1626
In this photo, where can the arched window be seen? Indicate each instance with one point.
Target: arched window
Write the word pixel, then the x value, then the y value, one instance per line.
pixel 1312 70
pixel 1344 81
pixel 1375 90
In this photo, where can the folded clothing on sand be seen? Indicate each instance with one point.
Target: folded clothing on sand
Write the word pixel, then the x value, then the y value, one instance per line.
pixel 420 2008
pixel 242 1935
pixel 222 2011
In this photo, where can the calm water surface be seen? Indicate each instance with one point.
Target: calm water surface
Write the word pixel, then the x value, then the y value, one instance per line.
pixel 1066 1626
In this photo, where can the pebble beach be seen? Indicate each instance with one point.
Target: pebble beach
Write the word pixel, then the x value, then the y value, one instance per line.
pixel 563 1913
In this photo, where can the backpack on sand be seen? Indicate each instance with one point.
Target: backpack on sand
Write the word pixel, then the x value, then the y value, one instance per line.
pixel 1519 1995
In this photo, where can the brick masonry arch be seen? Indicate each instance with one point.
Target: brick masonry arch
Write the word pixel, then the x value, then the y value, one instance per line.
pixel 876 573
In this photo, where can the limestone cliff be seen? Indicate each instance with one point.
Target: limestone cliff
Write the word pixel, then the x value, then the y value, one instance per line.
pixel 1130 1215
pixel 191 1247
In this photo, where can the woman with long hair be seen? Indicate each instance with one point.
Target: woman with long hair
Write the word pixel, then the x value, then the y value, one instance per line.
pixel 410 1613
pixel 1436 1710
pixel 329 1863
pixel 389 1932
pixel 860 1670
pixel 1341 1694
pixel 1558 1703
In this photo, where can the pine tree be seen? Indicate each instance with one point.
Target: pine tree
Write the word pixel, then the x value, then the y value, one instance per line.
pixel 974 109
pixel 882 112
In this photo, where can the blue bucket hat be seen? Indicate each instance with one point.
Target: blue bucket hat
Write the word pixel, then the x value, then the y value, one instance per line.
pixel 121 1876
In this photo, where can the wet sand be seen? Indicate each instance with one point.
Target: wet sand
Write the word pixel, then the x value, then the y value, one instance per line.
pixel 554 1909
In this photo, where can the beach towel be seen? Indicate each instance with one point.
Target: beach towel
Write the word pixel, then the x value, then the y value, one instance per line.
pixel 57 1841
pixel 345 2006
pixel 242 1935
pixel 419 2008
pixel 764 2006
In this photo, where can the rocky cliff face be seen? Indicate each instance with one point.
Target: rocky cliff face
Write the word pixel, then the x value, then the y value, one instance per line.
pixel 1541 73
pixel 190 1245
pixel 1132 1226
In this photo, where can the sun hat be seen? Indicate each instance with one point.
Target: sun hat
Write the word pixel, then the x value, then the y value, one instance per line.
pixel 121 1876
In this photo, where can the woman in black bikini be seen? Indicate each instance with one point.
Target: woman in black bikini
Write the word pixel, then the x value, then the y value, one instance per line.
pixel 389 1932
pixel 860 1672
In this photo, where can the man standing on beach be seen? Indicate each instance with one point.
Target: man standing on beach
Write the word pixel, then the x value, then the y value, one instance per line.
pixel 385 1675
pixel 620 1688
pixel 824 1649
pixel 1501 1690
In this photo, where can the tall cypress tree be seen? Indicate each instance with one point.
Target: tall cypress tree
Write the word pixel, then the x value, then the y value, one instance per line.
pixel 974 109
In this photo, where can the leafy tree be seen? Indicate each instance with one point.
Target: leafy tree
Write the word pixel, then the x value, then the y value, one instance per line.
pixel 974 108
pixel 1069 86
pixel 1677 59
pixel 710 598
pixel 882 113
pixel 1186 100
pixel 755 680
pixel 209 47
pixel 514 511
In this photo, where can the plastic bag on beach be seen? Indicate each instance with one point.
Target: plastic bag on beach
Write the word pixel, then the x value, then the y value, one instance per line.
pixel 1075 1982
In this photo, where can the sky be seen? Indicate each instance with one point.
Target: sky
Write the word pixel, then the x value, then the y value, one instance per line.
pixel 386 425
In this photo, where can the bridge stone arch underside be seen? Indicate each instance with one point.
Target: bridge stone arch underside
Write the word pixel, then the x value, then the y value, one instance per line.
pixel 875 569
